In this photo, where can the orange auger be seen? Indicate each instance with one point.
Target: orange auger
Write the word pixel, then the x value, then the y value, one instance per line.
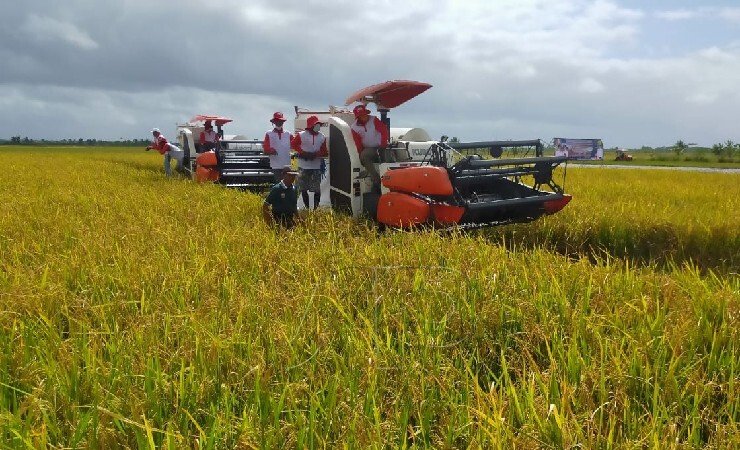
pixel 408 203
pixel 402 210
pixel 206 167
pixel 425 180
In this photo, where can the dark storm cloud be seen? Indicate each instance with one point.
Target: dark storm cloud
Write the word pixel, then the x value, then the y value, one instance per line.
pixel 533 68
pixel 155 45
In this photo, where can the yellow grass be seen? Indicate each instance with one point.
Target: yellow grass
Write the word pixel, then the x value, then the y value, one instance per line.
pixel 137 311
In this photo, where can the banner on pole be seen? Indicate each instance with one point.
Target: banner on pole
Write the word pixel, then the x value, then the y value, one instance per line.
pixel 579 148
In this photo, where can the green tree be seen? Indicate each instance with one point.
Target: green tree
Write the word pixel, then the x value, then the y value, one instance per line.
pixel 718 149
pixel 679 147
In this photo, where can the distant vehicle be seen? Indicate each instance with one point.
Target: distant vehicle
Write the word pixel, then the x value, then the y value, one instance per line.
pixel 622 155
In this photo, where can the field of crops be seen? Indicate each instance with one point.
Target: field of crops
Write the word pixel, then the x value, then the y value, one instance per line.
pixel 693 158
pixel 140 312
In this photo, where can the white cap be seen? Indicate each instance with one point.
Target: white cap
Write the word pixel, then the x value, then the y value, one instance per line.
pixel 155 130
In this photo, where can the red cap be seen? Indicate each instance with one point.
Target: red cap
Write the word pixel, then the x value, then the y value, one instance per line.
pixel 361 110
pixel 278 117
pixel 311 121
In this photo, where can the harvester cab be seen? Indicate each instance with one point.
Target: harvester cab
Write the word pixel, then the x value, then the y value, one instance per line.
pixel 426 181
pixel 235 161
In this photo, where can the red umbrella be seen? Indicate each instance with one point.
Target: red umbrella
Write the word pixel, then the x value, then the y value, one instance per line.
pixel 389 94
pixel 218 120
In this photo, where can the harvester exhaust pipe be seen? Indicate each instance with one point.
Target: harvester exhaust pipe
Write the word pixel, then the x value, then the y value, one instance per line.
pixel 384 117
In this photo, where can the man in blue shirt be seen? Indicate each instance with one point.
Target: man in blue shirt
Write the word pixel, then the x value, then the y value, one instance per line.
pixel 281 205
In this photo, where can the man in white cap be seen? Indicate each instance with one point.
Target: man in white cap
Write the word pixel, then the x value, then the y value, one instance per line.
pixel 281 204
pixel 310 144
pixel 277 145
pixel 169 151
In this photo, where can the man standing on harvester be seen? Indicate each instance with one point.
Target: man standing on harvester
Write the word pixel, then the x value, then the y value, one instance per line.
pixel 277 146
pixel 310 144
pixel 370 134
pixel 169 151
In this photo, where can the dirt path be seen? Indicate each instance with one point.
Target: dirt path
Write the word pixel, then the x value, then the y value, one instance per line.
pixel 684 169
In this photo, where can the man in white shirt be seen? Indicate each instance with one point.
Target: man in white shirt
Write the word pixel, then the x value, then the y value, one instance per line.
pixel 310 144
pixel 277 145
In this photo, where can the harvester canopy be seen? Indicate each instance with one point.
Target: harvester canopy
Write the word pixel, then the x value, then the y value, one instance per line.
pixel 217 120
pixel 389 94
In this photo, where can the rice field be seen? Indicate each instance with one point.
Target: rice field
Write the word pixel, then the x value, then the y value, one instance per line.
pixel 143 312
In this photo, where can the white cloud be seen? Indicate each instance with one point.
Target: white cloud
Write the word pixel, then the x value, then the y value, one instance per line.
pixel 731 14
pixel 48 29
pixel 702 98
pixel 590 86
pixel 678 14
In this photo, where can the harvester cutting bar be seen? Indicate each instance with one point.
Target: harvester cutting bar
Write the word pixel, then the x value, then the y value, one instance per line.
pixel 485 205
pixel 246 185
pixel 242 141
pixel 242 164
pixel 267 175
pixel 243 160
pixel 496 173
pixel 486 144
pixel 483 163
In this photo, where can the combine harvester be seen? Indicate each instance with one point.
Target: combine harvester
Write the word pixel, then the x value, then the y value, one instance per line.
pixel 238 162
pixel 428 182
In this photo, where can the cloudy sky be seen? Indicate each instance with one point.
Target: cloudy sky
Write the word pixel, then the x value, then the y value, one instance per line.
pixel 631 72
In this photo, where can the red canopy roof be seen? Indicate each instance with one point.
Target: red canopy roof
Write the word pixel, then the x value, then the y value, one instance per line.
pixel 217 120
pixel 390 93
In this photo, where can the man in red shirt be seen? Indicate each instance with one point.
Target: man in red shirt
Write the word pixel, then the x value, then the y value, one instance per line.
pixel 208 137
pixel 370 134
pixel 169 151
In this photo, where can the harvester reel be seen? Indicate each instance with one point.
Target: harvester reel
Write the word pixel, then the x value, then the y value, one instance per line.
pixel 543 175
pixel 496 152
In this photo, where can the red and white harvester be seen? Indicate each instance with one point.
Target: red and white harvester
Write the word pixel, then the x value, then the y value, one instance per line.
pixel 429 182
pixel 235 161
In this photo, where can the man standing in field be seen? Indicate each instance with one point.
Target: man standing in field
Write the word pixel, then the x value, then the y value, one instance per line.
pixel 277 146
pixel 310 144
pixel 370 134
pixel 281 205
pixel 169 151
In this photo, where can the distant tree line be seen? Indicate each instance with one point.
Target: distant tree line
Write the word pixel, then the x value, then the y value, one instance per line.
pixel 728 149
pixel 17 140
